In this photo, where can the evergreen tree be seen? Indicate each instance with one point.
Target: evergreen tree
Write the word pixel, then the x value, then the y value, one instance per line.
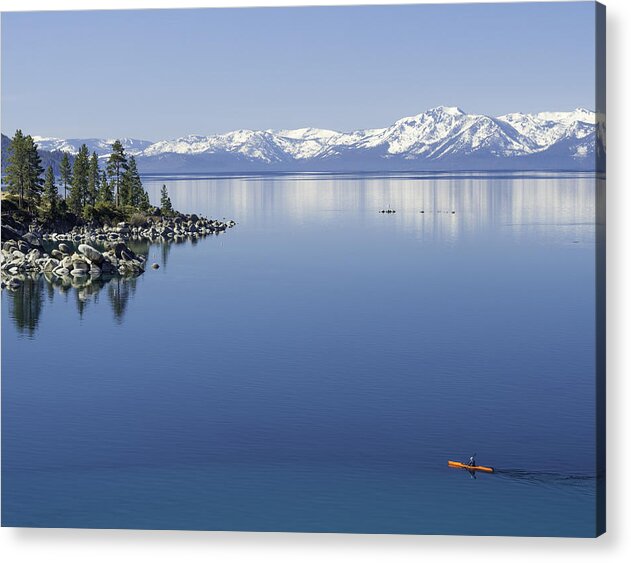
pixel 65 173
pixel 105 190
pixel 131 190
pixel 93 180
pixel 16 166
pixel 79 186
pixel 137 190
pixel 125 189
pixel 24 170
pixel 35 182
pixel 116 166
pixel 50 191
pixel 165 201
pixel 144 204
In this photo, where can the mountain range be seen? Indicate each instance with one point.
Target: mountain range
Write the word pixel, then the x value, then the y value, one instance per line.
pixel 48 158
pixel 442 138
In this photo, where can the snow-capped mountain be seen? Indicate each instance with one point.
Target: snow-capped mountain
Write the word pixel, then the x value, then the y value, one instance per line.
pixel 444 138
pixel 101 147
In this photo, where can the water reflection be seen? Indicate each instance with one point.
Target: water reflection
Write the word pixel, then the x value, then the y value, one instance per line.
pixel 522 205
pixel 27 302
pixel 548 209
pixel 119 292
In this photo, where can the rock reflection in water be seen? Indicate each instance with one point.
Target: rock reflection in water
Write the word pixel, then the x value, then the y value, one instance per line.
pixel 27 301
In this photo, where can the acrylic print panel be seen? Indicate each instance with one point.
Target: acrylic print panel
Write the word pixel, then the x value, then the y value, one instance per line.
pixel 287 284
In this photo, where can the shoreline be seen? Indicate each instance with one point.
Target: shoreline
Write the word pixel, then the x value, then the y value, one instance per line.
pixel 74 260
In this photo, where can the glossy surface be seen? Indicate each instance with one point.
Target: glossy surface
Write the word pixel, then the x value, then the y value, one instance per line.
pixel 314 367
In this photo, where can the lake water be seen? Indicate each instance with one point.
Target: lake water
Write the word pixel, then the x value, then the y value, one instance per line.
pixel 314 368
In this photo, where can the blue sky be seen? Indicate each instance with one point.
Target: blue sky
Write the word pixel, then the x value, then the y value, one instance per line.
pixel 165 73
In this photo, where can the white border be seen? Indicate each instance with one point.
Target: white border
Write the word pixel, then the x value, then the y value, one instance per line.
pixel 96 546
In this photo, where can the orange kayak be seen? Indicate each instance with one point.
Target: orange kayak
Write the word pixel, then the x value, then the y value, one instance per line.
pixel 471 467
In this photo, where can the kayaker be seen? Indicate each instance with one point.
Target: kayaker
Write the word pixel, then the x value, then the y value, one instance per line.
pixel 472 462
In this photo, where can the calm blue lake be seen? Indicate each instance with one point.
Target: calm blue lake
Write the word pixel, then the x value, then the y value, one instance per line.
pixel 314 368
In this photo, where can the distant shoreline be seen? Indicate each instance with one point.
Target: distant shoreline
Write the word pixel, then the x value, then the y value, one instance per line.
pixel 412 174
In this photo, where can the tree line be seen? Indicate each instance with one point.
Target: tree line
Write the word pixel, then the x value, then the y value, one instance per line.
pixel 86 187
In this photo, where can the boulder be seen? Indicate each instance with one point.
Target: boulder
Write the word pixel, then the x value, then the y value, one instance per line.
pixel 121 247
pixel 78 273
pixel 91 254
pixel 80 265
pixel 34 255
pixel 51 264
pixel 32 239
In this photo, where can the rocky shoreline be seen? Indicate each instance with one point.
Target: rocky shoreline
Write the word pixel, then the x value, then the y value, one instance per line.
pixel 72 258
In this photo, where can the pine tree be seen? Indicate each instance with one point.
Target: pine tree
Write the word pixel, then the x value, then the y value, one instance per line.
pixel 50 195
pixel 65 173
pixel 16 164
pixel 137 191
pixel 105 194
pixel 116 166
pixel 79 186
pixel 93 180
pixel 24 170
pixel 131 190
pixel 165 202
pixel 144 204
pixel 125 189
pixel 35 182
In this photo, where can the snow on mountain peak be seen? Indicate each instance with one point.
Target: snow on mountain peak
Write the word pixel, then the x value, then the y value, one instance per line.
pixel 440 133
pixel 579 114
pixel 449 110
pixel 305 133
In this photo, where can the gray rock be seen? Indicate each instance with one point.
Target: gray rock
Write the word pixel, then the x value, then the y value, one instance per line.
pixel 155 266
pixel 51 264
pixel 80 265
pixel 33 240
pixel 34 255
pixel 77 272
pixel 121 248
pixel 91 253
